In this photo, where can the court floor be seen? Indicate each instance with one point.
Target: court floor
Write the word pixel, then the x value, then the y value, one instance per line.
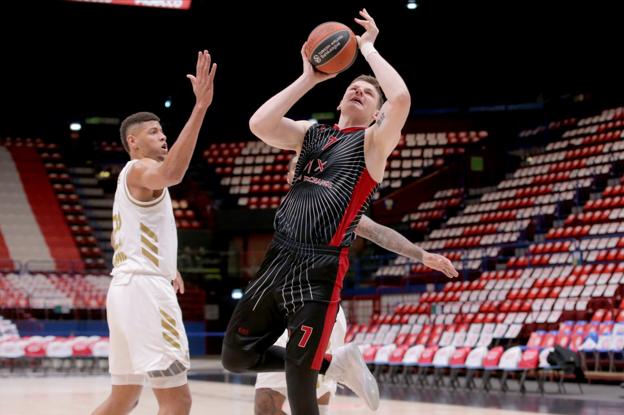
pixel 71 395
pixel 215 391
pixel 80 395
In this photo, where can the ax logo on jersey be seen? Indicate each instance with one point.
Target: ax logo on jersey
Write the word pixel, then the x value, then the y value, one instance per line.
pixel 316 166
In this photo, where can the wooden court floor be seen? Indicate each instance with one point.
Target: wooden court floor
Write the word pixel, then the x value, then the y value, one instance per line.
pixel 73 395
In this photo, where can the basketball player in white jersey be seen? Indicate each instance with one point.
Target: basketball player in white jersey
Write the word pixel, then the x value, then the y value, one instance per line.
pixel 147 337
pixel 271 390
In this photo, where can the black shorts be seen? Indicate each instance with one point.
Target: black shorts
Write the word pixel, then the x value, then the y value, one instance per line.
pixel 297 287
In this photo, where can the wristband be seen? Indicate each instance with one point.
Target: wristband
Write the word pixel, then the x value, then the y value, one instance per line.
pixel 367 49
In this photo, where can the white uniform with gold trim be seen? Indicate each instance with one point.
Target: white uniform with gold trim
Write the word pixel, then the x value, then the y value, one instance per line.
pixel 147 336
pixel 277 380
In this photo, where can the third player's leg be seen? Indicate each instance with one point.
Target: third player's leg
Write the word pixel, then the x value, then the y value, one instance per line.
pixel 173 401
pixel 122 400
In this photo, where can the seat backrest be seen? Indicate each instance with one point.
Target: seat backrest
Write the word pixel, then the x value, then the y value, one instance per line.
pixel 383 354
pixel 529 359
pixel 617 344
pixel 535 340
pixel 500 330
pixel 35 349
pixel 459 356
pixel 576 341
pixel 475 357
pixel 485 340
pixel 82 348
pixel 471 340
pixel 590 342
pixel 446 339
pixel 428 354
pixel 459 339
pixel 493 356
pixel 605 342
pixel 101 348
pixel 59 349
pixel 369 353
pixel 618 328
pixel 398 354
pixel 549 339
pixel 413 354
pixel 510 358
pixel 563 339
pixel 443 356
pixel 12 349
pixel 543 357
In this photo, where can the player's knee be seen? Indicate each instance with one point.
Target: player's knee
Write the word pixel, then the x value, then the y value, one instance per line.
pixel 119 406
pixel 121 402
pixel 236 360
pixel 268 401
pixel 181 405
pixel 185 403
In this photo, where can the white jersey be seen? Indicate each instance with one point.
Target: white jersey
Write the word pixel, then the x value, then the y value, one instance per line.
pixel 144 233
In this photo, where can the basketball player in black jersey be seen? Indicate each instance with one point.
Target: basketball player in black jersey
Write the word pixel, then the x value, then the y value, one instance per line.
pixel 270 397
pixel 298 285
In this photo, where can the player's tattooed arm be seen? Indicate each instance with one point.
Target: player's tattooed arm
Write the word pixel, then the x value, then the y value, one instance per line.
pixel 393 241
pixel 388 238
pixel 380 119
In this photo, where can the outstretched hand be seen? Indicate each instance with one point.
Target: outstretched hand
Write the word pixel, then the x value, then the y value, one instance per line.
pixel 440 263
pixel 371 32
pixel 203 80
pixel 310 72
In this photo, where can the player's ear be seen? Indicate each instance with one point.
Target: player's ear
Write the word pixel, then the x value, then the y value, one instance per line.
pixel 132 141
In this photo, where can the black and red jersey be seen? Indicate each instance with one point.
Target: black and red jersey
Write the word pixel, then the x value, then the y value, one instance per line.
pixel 331 188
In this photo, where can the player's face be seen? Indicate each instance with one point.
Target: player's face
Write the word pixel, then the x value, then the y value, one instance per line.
pixel 360 97
pixel 152 141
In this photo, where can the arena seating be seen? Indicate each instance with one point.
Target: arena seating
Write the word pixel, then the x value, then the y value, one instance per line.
pixel 34 229
pixel 562 285
pixel 255 173
pixel 51 354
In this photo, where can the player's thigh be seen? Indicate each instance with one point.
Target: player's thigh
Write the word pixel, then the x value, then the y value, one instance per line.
pixel 310 331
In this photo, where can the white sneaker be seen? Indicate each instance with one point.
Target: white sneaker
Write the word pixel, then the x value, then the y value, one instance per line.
pixel 348 367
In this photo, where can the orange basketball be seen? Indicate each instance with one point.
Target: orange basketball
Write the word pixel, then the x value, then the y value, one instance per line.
pixel 331 47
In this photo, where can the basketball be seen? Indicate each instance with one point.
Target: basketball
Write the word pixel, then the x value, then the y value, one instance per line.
pixel 331 47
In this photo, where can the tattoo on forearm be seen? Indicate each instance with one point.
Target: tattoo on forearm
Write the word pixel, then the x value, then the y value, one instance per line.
pixel 395 242
pixel 418 253
pixel 382 116
pixel 269 402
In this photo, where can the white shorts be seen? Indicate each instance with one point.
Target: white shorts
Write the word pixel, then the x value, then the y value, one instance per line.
pixel 277 380
pixel 147 336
